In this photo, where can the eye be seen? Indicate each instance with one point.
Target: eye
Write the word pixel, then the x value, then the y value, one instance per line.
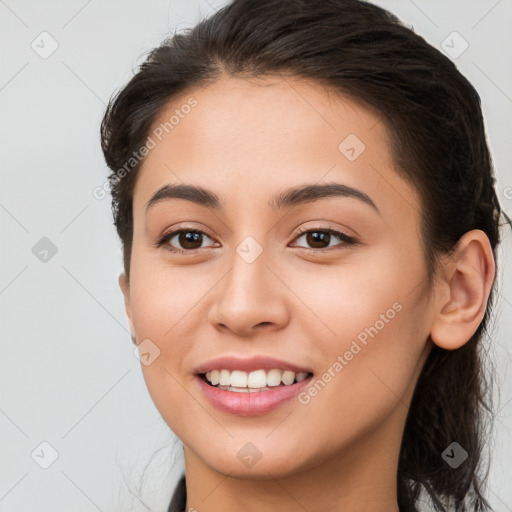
pixel 189 239
pixel 320 238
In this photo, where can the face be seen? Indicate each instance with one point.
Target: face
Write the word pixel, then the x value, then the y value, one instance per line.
pixel 334 283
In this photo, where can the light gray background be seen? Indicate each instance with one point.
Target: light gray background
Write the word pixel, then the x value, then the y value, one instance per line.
pixel 67 369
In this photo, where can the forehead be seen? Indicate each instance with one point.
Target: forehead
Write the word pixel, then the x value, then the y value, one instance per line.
pixel 244 114
pixel 255 136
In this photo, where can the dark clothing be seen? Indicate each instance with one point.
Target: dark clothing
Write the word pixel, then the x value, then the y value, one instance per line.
pixel 179 497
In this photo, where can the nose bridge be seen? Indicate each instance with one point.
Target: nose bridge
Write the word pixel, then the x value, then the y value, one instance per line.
pixel 247 278
pixel 250 293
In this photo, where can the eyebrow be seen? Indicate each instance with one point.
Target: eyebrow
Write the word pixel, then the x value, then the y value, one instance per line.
pixel 285 199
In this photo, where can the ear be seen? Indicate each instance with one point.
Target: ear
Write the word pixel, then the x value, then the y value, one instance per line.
pixel 124 284
pixel 463 291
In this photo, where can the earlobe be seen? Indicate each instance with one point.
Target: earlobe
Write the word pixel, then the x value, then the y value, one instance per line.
pixel 463 291
pixel 124 284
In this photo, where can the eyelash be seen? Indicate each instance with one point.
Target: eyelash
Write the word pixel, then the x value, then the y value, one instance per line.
pixel 348 241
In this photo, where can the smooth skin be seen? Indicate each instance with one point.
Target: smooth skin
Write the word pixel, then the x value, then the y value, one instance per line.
pixel 247 140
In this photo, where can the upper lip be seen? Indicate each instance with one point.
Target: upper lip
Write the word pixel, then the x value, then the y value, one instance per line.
pixel 249 364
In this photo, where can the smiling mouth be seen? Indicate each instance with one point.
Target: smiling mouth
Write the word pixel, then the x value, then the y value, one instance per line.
pixel 255 393
pixel 298 377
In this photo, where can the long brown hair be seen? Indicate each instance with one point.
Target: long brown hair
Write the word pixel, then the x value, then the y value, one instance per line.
pixel 434 118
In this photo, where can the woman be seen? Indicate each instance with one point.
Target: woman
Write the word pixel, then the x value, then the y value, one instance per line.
pixel 306 204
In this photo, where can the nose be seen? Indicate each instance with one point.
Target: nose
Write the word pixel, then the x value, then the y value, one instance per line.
pixel 250 299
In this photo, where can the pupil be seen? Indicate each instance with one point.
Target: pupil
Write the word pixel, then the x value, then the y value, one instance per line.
pixel 314 236
pixel 185 239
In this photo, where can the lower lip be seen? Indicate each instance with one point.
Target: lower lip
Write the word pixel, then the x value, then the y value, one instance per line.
pixel 250 403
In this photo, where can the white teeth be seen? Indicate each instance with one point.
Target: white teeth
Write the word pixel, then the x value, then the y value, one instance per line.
pixel 225 378
pixel 274 377
pixel 215 377
pixel 301 376
pixel 288 377
pixel 255 380
pixel 238 379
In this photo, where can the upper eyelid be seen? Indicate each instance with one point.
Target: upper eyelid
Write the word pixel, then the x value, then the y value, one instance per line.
pixel 180 229
pixel 345 237
pixel 329 227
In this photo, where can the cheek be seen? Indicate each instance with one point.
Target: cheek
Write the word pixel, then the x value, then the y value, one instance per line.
pixel 163 296
pixel 372 330
pixel 162 301
pixel 348 297
pixel 366 379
